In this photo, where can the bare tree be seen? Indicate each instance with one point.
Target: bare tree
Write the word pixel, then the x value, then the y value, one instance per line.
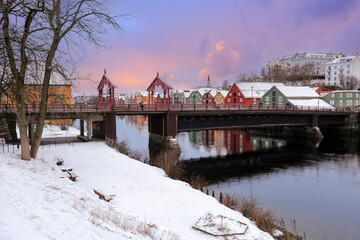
pixel 40 33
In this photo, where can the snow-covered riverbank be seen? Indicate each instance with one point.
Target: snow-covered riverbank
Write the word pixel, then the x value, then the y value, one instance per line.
pixel 38 201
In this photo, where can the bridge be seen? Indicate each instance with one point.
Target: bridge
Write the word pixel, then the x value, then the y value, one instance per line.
pixel 168 120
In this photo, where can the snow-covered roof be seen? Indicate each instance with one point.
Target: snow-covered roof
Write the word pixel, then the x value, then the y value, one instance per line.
pixel 343 60
pixel 310 103
pixel 256 89
pixel 297 56
pixel 222 92
pixel 58 77
pixel 298 92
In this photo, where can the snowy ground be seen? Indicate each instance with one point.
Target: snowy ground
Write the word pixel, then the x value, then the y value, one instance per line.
pixel 38 201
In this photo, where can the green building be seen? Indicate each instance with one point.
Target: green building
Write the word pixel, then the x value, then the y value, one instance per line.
pixel 298 96
pixel 195 97
pixel 343 98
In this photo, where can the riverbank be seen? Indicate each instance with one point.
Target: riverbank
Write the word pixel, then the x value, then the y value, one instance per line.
pixel 40 199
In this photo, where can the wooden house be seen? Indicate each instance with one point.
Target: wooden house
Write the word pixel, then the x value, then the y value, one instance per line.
pixel 247 93
pixel 343 98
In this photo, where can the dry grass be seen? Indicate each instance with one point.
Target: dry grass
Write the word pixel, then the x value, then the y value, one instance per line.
pixel 265 220
pixel 198 182
pixel 168 161
pixel 108 217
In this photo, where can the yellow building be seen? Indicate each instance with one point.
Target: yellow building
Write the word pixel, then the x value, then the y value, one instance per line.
pixel 60 91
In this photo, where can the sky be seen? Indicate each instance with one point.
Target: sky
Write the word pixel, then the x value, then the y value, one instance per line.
pixel 187 41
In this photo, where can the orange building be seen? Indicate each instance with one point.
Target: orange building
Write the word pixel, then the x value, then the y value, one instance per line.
pixel 219 98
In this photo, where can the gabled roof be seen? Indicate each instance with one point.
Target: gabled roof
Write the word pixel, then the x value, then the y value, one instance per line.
pixel 105 81
pixel 310 103
pixel 255 89
pixel 222 92
pixel 298 92
pixel 158 82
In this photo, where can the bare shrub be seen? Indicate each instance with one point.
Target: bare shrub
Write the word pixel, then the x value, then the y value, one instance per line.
pixel 198 182
pixel 123 147
pixel 265 220
pixel 167 160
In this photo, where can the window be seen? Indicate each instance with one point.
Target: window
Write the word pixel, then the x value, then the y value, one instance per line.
pixel 348 66
pixel 335 79
pixel 280 98
pixel 329 68
pixel 340 103
pixel 335 72
pixel 228 100
pixel 332 95
pixel 340 95
pixel 38 97
pixel 234 100
pixel 230 94
pixel 335 67
pixel 349 103
pixel 267 98
pixel 234 94
pixel 241 99
pixel 62 87
pixel 357 95
pixel 274 94
pixel 61 96
pixel 331 102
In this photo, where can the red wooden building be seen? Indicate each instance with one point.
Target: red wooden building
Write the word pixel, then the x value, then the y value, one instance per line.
pixel 247 93
pixel 106 90
pixel 160 98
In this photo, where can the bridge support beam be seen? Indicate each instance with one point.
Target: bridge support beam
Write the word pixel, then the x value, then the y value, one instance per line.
pixel 163 124
pixel 105 128
pixel 315 121
pixel 89 129
pixel 82 128
pixel 110 125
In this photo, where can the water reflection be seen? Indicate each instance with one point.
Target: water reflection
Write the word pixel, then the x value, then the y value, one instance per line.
pixel 317 184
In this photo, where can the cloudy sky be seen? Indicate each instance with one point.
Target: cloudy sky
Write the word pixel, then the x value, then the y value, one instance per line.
pixel 187 40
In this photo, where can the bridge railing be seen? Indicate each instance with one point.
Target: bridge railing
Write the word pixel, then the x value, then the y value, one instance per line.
pixel 92 108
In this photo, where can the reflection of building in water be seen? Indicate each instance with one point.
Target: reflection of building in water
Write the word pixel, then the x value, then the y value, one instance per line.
pixel 237 141
pixel 195 137
pixel 208 137
pixel 137 120
pixel 259 143
pixel 219 141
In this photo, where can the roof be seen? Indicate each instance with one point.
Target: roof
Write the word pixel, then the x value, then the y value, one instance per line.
pixel 256 89
pixel 343 60
pixel 202 91
pixel 222 92
pixel 35 76
pixel 298 92
pixel 310 103
pixel 105 80
pixel 158 82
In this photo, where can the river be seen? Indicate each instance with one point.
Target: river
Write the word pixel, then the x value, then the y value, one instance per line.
pixel 317 184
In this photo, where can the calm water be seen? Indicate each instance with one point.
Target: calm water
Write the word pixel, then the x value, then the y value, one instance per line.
pixel 318 186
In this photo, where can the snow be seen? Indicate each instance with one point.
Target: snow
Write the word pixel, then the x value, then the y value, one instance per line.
pixel 51 131
pixel 298 92
pixel 311 103
pixel 255 89
pixel 38 198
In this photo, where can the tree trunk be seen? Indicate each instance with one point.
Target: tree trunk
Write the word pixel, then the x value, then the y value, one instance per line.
pixel 25 148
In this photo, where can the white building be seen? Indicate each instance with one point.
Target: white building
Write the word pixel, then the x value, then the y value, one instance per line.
pixel 300 59
pixel 343 72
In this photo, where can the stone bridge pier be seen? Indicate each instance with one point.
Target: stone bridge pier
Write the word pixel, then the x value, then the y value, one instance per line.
pixel 100 127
